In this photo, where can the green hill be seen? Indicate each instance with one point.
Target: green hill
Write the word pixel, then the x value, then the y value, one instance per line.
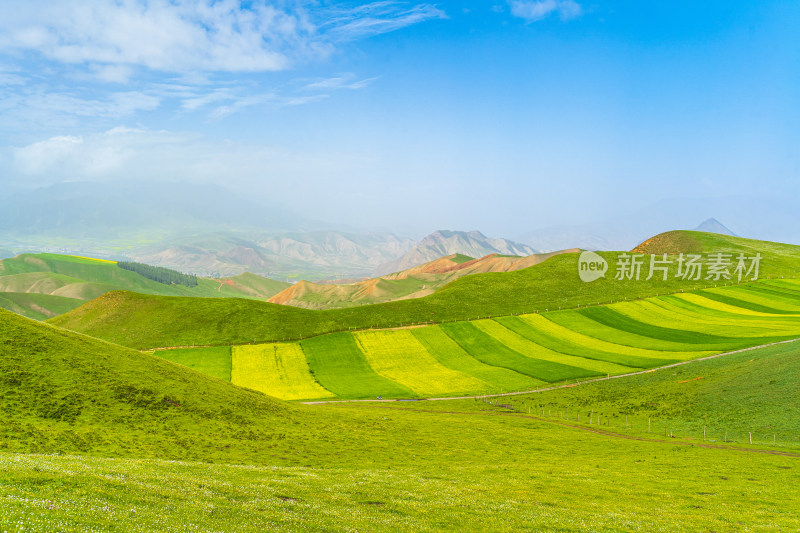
pixel 70 401
pixel 428 466
pixel 751 392
pixel 65 282
pixel 142 321
pixel 521 352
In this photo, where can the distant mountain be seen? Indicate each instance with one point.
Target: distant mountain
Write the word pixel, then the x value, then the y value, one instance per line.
pixel 204 229
pixel 442 243
pixel 712 225
pixel 765 218
pixel 301 255
pixel 416 282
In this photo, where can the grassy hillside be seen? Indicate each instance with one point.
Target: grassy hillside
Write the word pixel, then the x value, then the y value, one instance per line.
pixel 142 321
pixel 420 280
pixel 428 466
pixel 520 352
pixel 70 281
pixel 752 392
pixel 67 393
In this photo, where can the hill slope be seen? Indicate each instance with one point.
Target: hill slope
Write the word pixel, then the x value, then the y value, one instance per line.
pixel 414 282
pixel 61 392
pixel 143 321
pixel 64 282
pixel 514 352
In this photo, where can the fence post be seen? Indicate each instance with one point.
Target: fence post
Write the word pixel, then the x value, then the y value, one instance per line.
pixel 750 434
pixel 648 424
pixel 704 433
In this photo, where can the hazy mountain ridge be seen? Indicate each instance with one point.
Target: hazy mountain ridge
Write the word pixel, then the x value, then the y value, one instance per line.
pixel 442 243
pixel 415 282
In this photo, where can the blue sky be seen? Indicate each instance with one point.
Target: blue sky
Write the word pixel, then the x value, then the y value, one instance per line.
pixel 502 116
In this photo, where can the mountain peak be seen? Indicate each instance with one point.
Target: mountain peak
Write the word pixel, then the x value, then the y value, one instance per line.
pixel 712 225
pixel 446 242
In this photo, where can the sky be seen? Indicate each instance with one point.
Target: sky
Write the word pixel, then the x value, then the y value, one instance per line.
pixel 503 116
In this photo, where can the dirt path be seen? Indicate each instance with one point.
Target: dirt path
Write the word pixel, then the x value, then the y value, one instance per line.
pixel 564 386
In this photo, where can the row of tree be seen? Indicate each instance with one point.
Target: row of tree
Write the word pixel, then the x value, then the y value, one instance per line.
pixel 160 274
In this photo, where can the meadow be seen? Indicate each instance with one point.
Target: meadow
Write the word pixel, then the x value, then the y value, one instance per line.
pixel 97 436
pixel 44 285
pixel 525 352
pixel 151 321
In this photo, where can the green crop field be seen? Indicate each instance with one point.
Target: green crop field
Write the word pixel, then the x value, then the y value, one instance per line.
pixel 516 353
pixel 399 357
pixel 140 321
pixel 214 361
pixel 100 437
pixel 80 279
pixel 341 367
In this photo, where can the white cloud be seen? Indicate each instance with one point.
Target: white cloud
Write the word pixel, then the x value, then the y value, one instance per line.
pixel 378 17
pixel 272 100
pixel 133 154
pixel 185 36
pixel 338 82
pixel 533 10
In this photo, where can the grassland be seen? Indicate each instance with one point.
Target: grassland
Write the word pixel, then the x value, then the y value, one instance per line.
pixel 753 392
pixel 140 321
pixel 97 436
pixel 214 361
pixel 64 282
pixel 522 352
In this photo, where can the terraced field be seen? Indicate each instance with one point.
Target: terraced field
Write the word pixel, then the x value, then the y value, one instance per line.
pixel 511 353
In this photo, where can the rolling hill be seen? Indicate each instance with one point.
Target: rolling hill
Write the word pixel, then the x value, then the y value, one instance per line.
pixel 145 321
pixel 513 352
pixel 96 436
pixel 414 282
pixel 44 285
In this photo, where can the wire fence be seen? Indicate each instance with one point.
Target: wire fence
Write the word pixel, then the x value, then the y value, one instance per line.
pixel 638 425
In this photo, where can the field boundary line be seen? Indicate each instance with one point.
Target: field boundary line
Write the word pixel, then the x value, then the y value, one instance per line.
pixel 602 432
pixel 424 323
pixel 565 385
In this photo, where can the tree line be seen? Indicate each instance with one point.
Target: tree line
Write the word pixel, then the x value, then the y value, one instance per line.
pixel 163 275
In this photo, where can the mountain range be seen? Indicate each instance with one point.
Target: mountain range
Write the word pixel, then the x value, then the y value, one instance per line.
pixel 442 243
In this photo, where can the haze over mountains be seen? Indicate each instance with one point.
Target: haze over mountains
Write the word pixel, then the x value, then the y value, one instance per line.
pixel 209 230
pixel 441 243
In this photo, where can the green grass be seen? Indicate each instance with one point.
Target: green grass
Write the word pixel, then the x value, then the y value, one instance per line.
pixel 142 321
pixel 754 391
pixel 461 259
pixel 214 361
pixel 341 367
pixel 492 352
pixel 247 462
pixel 519 352
pixel 453 356
pixel 82 279
pixel 399 357
pixel 569 342
pixel 37 306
